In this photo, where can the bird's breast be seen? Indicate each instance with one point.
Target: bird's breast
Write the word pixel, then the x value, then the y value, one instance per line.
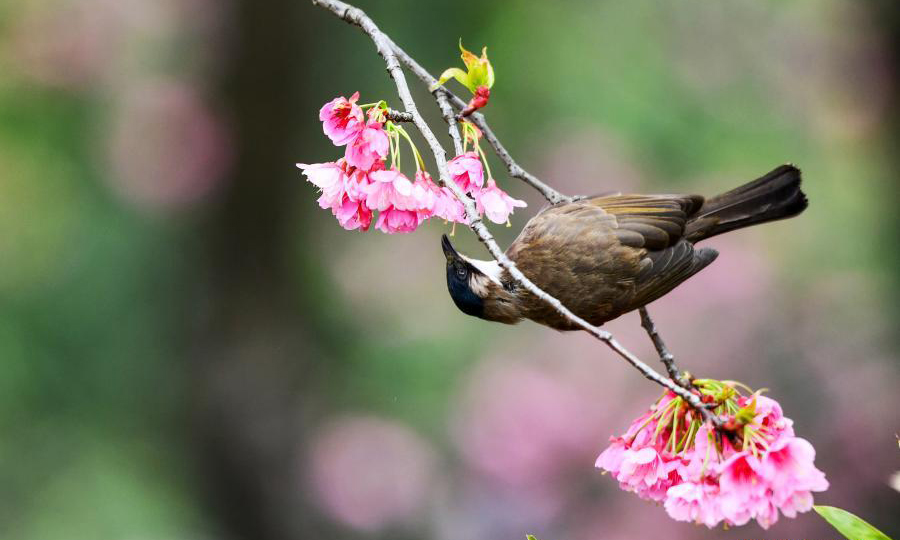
pixel 591 273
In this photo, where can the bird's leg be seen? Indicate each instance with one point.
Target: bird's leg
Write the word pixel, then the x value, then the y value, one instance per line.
pixel 664 355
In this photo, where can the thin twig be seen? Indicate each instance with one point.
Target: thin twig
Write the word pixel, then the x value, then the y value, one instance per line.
pixel 447 113
pixel 398 116
pixel 385 48
pixel 513 168
pixel 667 358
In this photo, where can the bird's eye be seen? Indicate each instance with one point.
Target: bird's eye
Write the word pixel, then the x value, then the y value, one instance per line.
pixel 462 272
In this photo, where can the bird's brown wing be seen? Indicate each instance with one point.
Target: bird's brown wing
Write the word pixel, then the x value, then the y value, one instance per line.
pixel 667 269
pixel 654 222
pixel 605 256
pixel 657 223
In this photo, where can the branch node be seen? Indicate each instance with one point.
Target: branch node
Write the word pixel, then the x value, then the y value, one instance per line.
pixel 398 116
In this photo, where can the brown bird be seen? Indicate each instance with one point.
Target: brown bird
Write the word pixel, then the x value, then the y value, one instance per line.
pixel 608 255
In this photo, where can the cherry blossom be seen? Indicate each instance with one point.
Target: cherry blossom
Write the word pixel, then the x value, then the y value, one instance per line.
pixel 444 203
pixel 467 171
pixel 368 146
pixel 755 469
pixel 343 192
pixel 495 203
pixel 342 119
pixel 393 220
pixel 389 188
pixel 361 183
pixel 694 502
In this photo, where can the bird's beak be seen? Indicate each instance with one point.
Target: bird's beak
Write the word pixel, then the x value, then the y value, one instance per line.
pixel 449 252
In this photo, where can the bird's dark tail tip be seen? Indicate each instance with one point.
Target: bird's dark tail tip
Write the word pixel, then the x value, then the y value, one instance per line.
pixel 774 196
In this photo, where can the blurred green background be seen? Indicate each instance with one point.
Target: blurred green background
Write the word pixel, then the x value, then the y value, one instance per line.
pixel 191 349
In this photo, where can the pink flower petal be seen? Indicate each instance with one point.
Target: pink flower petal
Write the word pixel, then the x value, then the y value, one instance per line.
pixel 342 119
pixel 368 146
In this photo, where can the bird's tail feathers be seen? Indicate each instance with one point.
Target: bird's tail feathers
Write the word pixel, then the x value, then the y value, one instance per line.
pixel 775 196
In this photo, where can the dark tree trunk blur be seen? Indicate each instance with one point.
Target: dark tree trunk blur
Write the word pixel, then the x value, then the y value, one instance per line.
pixel 888 12
pixel 247 345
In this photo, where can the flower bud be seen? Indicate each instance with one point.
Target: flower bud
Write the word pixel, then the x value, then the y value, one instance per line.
pixel 479 72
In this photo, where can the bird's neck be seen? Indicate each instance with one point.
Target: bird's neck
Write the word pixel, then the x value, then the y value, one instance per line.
pixel 500 302
pixel 491 269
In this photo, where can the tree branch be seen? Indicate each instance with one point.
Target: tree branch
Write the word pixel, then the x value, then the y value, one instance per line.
pixel 387 49
pixel 512 167
pixel 664 355
pixel 398 116
pixel 447 113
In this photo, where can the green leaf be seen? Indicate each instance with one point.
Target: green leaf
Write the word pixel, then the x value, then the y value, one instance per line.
pixel 530 537
pixel 849 525
pixel 457 74
pixel 489 82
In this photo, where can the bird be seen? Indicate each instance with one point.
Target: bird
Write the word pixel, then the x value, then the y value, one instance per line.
pixel 607 255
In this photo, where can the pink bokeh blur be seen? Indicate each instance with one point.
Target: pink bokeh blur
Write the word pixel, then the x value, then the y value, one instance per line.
pixel 167 148
pixel 370 472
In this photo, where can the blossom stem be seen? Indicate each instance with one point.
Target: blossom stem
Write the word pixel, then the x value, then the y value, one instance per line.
pixel 673 437
pixel 663 417
pixel 394 142
pixel 688 436
pixel 487 167
pixel 709 445
pixel 420 163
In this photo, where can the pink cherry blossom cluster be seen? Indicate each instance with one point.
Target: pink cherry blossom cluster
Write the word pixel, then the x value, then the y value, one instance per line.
pixel 750 469
pixel 357 185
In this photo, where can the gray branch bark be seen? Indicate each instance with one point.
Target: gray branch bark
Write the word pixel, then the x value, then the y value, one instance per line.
pixel 667 358
pixel 398 116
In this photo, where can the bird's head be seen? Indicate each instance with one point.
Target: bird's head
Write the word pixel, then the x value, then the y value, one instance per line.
pixel 479 288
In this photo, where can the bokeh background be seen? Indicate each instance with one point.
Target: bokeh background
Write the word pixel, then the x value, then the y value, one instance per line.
pixel 191 349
